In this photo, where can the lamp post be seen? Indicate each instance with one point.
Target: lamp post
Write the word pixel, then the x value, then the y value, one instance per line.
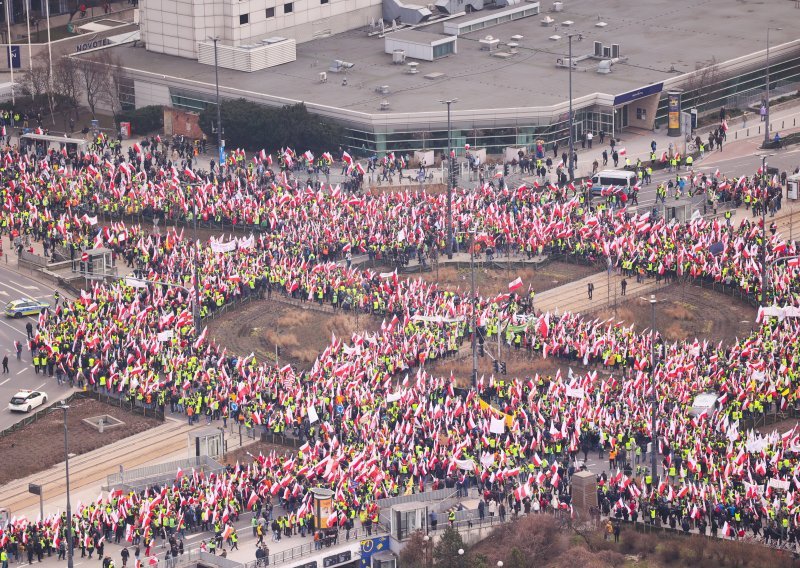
pixel 461 556
pixel 450 162
pixel 70 564
pixel 428 541
pixel 766 102
pixel 653 397
pixel 764 194
pixel 474 307
pixel 571 167
pixel 220 148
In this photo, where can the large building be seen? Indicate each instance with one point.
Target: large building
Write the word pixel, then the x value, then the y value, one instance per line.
pixel 508 66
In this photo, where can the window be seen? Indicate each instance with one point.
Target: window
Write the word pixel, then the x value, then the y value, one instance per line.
pixel 244 19
pixel 126 93
pixel 288 8
pixel 641 114
pixel 323 1
pixel 270 13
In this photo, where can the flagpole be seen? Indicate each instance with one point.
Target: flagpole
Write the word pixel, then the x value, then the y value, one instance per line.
pixel 653 398
pixel 472 299
pixel 30 50
pixel 10 53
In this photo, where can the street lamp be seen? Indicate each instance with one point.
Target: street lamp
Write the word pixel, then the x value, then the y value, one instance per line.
pixel 653 397
pixel 450 162
pixel 70 564
pixel 499 564
pixel 220 148
pixel 766 103
pixel 474 307
pixel 764 194
pixel 428 541
pixel 571 167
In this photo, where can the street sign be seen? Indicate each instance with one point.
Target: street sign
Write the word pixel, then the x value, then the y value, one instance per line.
pixel 34 489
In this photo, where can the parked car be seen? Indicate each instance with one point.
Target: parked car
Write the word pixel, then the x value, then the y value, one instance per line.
pixel 27 400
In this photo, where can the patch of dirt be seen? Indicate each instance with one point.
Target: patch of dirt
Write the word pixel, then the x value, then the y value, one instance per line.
pixel 686 312
pixel 493 281
pixel 242 455
pixel 301 334
pixel 518 364
pixel 40 445
pixel 683 312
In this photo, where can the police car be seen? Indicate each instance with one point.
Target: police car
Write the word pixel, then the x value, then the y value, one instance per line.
pixel 27 400
pixel 25 307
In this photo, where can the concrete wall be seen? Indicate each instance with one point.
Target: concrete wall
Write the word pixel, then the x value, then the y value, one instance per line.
pixel 175 26
pixel 182 122
pixel 648 105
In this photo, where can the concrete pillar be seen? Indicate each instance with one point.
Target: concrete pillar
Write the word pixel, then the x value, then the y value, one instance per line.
pixel 584 492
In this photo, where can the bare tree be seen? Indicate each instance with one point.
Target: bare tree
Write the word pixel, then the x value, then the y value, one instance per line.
pixel 67 82
pixel 115 75
pixel 37 79
pixel 701 84
pixel 93 80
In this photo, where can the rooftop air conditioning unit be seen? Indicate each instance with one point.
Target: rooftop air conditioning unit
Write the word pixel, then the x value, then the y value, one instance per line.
pixel 607 52
pixel 598 49
pixel 614 50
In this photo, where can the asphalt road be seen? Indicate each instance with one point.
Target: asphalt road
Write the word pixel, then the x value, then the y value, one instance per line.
pixel 13 286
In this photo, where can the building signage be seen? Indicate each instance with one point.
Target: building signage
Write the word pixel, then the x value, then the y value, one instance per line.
pixel 93 43
pixel 638 94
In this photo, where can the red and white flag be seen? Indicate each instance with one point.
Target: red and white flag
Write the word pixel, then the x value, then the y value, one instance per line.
pixel 515 284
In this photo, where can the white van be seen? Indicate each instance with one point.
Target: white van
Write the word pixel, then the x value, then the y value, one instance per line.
pixel 619 179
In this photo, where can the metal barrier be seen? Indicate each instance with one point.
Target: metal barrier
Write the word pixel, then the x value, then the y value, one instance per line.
pixel 131 405
pixel 196 556
pixel 309 548
pixel 139 475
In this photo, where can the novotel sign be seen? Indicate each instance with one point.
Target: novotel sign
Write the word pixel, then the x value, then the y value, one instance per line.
pixel 93 43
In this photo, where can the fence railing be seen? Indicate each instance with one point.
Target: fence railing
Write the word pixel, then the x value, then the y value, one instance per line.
pixel 199 463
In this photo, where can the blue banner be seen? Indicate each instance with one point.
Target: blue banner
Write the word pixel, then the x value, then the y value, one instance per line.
pixel 370 547
pixel 14 60
pixel 638 94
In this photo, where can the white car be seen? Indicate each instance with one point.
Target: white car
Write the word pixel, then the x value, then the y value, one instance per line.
pixel 26 400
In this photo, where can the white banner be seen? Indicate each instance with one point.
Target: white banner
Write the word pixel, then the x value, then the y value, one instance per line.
pixel 779 484
pixel 394 396
pixel 487 460
pixel 755 446
pixel 247 243
pixel 218 247
pixel 437 319
pixel 165 335
pixel 498 426
pixel 466 465
pixel 312 414
pixel 575 392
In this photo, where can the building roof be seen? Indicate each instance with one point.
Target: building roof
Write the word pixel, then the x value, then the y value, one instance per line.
pixel 417 36
pixel 659 44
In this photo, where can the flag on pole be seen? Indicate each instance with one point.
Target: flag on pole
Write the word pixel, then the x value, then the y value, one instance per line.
pixel 515 284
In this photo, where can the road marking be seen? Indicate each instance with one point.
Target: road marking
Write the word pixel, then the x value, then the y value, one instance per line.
pixel 4 293
pixel 31 287
pixel 10 287
pixel 22 371
pixel 14 328
pixel 40 386
pixel 4 382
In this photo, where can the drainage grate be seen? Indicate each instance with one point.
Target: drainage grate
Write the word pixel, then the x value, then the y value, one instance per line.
pixel 103 422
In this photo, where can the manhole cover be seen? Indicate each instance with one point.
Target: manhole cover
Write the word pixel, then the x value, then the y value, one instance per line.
pixel 103 422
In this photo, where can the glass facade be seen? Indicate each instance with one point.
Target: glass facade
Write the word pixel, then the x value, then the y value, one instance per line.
pixel 734 92
pixel 192 102
pixel 495 139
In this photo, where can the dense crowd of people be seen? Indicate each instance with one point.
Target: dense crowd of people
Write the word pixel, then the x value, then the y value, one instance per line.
pixel 375 418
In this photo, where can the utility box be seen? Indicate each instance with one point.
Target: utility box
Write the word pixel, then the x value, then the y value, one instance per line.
pixel 792 186
pixel 207 442
pixel 584 492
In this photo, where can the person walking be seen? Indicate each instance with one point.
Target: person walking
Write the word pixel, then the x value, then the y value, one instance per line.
pixel 624 286
pixel 5 364
pixel 590 289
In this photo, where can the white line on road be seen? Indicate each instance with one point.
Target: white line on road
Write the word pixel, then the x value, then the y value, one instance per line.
pixel 23 370
pixel 4 382
pixel 30 287
pixel 40 386
pixel 14 328
pixel 24 293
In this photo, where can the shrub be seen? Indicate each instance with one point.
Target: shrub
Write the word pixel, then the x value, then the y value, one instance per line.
pixel 143 120
pixel 669 552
